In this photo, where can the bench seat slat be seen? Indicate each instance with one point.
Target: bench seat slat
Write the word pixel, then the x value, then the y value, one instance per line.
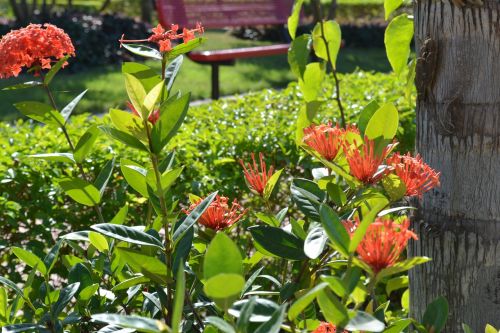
pixel 239 53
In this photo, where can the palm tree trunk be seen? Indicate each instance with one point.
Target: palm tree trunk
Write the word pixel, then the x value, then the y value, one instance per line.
pixel 458 133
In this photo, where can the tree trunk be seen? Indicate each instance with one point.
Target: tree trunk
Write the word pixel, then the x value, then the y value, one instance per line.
pixel 458 133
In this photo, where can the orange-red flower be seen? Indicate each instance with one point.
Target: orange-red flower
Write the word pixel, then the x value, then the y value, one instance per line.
pixel 326 139
pixel 364 162
pixel 383 242
pixel 219 215
pixel 35 46
pixel 153 116
pixel 164 37
pixel 325 327
pixel 418 176
pixel 257 178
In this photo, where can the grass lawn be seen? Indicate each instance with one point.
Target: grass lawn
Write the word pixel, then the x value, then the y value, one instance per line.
pixel 106 88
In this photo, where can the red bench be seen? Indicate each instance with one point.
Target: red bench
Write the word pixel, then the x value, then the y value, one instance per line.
pixel 226 13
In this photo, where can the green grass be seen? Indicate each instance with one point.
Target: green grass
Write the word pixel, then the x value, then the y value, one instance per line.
pixel 106 88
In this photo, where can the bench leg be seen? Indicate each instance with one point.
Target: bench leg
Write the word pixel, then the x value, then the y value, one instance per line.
pixel 215 81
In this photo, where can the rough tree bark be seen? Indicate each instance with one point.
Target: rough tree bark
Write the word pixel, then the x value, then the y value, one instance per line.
pixel 458 133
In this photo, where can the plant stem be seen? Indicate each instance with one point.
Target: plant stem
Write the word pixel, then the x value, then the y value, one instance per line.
pixel 334 71
pixel 196 315
pixel 96 207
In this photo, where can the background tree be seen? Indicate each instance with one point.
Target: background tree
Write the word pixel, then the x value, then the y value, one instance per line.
pixel 458 133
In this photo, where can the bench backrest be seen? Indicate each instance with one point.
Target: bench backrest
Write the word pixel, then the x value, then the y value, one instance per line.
pixel 223 13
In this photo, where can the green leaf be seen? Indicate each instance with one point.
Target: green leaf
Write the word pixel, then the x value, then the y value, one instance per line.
pixel 40 112
pixel 65 297
pixel 396 283
pixel 337 285
pixel 299 54
pixel 68 109
pixel 366 114
pixel 253 310
pixel 365 322
pixel 398 326
pixel 402 266
pixel 135 175
pixel 436 315
pixel 124 138
pixel 104 176
pixel 384 123
pixel 149 266
pixel 4 298
pixel 121 216
pixel 51 257
pixel 466 328
pixel 394 187
pixel 136 94
pixel 172 70
pixel 183 247
pixel 191 219
pixel 180 288
pixel 311 83
pixel 148 77
pixel 98 241
pixel 274 324
pixel 315 242
pixel 220 324
pixel 54 69
pixel 271 183
pixel 303 301
pixel 167 178
pixel 55 157
pixel 172 114
pixel 186 47
pixel 294 18
pixel 307 113
pixel 127 234
pixel 376 206
pixel 30 259
pixel 222 257
pixel 327 47
pixel 332 308
pixel 490 329
pixel 308 197
pixel 18 328
pixel 268 219
pixel 140 279
pixel 152 98
pixel 141 324
pixel 223 286
pixel 390 6
pixel 81 191
pixel 245 314
pixel 278 242
pixel 143 51
pixel 336 194
pixel 8 283
pixel 398 37
pixel 129 123
pixel 81 274
pixel 24 85
pixel 86 143
pixel 335 229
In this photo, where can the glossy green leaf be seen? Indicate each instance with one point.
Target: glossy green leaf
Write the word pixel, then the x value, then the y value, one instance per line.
pixel 86 293
pixel 303 301
pixel 127 234
pixel 30 259
pixel 294 18
pixel 221 325
pixel 390 6
pixel 308 197
pixel 136 93
pixel 148 77
pixel 310 84
pixel 65 297
pixel 54 70
pixel 18 328
pixel 278 242
pixel 24 85
pixel 143 51
pixel 149 266
pixel 168 178
pixel 366 114
pixel 224 286
pixel 81 274
pixel 121 216
pixel 466 328
pixel 129 123
pixel 152 97
pixel 332 308
pixel 384 123
pixel 104 176
pixel 436 315
pixel 396 283
pixel 362 321
pixel 336 194
pixel 398 37
pixel 327 38
pixel 315 242
pixel 85 143
pixel 222 257
pixel 299 54
pixel 180 288
pixel 273 325
pixel 271 183
pixel 335 229
pixel 186 47
pixel 307 113
pixel 172 70
pixel 81 191
pixel 398 326
pixel 124 138
pixel 141 324
pixel 490 329
pixel 51 257
pixel 98 241
pixel 245 314
pixel 40 112
pixel 394 187
pixel 402 266
pixel 55 157
pixel 68 109
pixel 135 175
pixel 337 285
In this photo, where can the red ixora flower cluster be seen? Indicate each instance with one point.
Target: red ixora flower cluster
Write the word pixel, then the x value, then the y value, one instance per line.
pixel 383 242
pixel 257 178
pixel 327 139
pixel 35 46
pixel 153 116
pixel 219 215
pixel 417 176
pixel 164 37
pixel 325 327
